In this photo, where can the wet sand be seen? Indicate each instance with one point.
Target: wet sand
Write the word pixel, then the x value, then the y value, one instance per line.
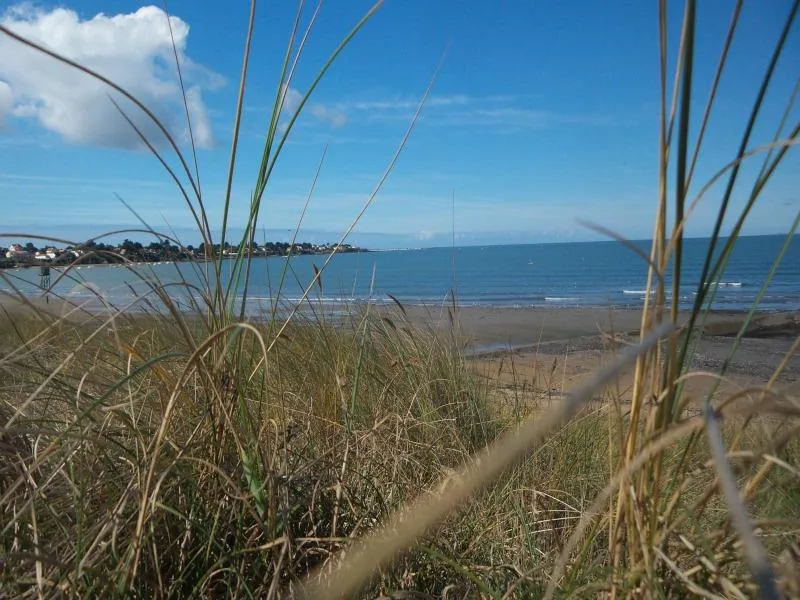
pixel 487 329
pixel 548 351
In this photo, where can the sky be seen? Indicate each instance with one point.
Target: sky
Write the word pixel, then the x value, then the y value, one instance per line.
pixel 543 113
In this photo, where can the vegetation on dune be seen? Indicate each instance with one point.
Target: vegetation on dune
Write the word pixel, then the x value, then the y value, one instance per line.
pixel 236 490
pixel 215 485
pixel 169 455
pixel 93 252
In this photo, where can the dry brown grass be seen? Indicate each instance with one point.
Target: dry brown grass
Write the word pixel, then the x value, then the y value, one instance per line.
pixel 171 456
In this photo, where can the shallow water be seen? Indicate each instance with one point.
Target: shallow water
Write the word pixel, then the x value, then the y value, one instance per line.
pixel 592 274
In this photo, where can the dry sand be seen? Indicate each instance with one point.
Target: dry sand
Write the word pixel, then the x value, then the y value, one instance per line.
pixel 548 351
pixel 52 306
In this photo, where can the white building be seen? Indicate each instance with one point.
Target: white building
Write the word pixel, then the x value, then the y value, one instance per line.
pixel 17 252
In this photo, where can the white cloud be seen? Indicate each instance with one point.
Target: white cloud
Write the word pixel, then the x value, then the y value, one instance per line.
pixel 330 115
pixel 291 100
pixel 425 235
pixel 501 116
pixel 498 113
pixel 134 50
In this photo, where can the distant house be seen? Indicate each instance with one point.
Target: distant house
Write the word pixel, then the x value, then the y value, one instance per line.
pixel 46 254
pixel 17 252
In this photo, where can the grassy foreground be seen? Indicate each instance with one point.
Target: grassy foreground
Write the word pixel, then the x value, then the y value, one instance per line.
pixel 121 474
pixel 167 455
pixel 124 475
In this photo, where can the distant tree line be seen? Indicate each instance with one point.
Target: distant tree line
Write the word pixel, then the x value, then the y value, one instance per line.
pixel 163 251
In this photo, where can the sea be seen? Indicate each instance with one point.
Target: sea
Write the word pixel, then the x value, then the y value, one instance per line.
pixel 575 274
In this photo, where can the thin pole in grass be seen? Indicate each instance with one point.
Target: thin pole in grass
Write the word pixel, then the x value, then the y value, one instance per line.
pixel 413 519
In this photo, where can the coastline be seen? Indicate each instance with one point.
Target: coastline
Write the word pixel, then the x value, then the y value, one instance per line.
pixel 14 264
pixel 488 330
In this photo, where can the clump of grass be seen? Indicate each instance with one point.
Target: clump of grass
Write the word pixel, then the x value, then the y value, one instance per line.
pixel 123 474
pixel 160 453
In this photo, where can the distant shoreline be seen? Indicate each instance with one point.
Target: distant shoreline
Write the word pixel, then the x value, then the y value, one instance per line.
pixel 134 253
pixel 54 264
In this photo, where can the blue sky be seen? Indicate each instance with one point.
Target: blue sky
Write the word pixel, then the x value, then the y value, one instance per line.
pixel 544 112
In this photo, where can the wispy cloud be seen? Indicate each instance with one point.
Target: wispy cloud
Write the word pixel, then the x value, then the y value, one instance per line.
pixel 498 112
pixel 330 115
pixel 501 112
pixel 394 104
pixel 516 117
pixel 326 114
pixel 13 179
pixel 333 117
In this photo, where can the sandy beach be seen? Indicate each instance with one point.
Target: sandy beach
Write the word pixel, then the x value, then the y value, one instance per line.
pixel 551 350
pixel 54 307
pixel 547 351
pixel 488 329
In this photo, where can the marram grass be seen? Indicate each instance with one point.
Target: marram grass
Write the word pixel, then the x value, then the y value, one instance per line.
pixel 160 454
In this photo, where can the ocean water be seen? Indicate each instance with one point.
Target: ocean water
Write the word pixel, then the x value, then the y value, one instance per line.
pixel 591 274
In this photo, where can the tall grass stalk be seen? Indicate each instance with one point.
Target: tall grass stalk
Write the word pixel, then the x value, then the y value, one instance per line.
pixel 151 451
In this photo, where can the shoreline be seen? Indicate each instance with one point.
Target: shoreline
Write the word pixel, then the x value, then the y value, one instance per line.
pixel 495 328
pixel 535 340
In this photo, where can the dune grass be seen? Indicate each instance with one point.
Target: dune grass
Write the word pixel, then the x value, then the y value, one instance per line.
pixel 122 417
pixel 160 453
pixel 344 424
